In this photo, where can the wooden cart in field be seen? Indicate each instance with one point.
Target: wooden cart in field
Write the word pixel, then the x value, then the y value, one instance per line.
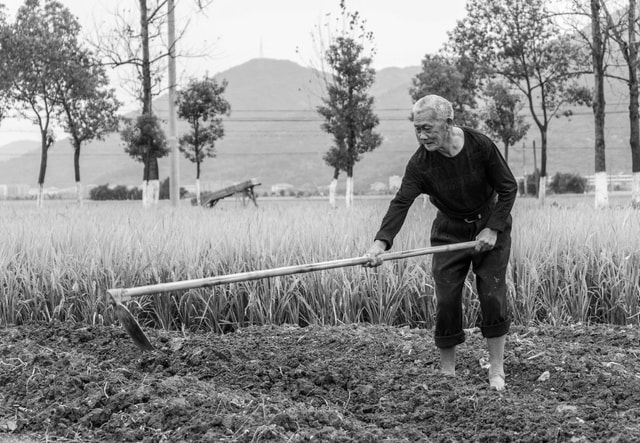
pixel 245 189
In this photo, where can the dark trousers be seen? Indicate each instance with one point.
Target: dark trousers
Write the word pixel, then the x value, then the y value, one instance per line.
pixel 450 270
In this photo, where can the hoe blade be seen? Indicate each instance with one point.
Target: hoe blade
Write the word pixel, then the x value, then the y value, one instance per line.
pixel 130 324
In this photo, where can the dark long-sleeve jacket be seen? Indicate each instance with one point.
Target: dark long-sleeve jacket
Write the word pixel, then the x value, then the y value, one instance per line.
pixel 460 186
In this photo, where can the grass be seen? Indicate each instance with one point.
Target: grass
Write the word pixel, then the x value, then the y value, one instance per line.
pixel 569 263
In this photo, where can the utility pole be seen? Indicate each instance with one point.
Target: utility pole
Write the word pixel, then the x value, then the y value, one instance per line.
pixel 174 175
pixel 536 177
pixel 524 170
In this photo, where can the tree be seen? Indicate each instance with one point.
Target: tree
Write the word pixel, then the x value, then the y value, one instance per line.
pixel 141 47
pixel 33 62
pixel 87 108
pixel 598 48
pixel 502 118
pixel 145 141
pixel 347 108
pixel 618 26
pixel 135 45
pixel 518 40
pixel 453 79
pixel 202 104
pixel 595 37
pixel 336 158
pixel 151 173
pixel 5 82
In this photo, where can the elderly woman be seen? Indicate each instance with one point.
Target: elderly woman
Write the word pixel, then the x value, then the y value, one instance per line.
pixel 473 189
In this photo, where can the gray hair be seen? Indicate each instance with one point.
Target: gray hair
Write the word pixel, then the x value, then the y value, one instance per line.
pixel 440 106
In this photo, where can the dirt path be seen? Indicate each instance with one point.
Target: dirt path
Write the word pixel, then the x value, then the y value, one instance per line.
pixel 343 384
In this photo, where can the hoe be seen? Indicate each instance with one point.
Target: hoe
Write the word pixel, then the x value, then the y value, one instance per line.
pixel 131 326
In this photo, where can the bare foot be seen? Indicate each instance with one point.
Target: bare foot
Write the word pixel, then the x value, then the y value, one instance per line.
pixel 496 359
pixel 497 381
pixel 448 361
pixel 449 372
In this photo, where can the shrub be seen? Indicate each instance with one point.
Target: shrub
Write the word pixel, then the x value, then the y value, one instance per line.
pixel 120 192
pixel 568 183
pixel 165 191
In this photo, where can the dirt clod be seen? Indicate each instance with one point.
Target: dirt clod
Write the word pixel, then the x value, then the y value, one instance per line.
pixel 345 384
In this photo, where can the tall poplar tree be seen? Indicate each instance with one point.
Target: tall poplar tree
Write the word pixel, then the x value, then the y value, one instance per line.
pixel 347 107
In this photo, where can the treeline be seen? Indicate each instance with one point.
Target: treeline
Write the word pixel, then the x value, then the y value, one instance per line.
pixel 121 192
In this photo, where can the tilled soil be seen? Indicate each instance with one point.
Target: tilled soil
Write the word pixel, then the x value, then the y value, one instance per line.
pixel 354 383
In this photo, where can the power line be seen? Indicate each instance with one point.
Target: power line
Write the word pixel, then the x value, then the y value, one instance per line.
pixel 404 118
pixel 297 153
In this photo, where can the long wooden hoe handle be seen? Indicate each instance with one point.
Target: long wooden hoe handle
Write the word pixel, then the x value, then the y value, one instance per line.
pixel 125 294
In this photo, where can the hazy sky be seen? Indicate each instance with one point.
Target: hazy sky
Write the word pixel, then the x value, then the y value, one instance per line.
pixel 238 30
pixel 231 32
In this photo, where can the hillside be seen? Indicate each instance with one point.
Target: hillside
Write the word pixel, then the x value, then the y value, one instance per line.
pixel 274 134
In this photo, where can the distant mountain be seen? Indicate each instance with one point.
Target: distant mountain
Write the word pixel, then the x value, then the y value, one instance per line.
pixel 16 149
pixel 274 134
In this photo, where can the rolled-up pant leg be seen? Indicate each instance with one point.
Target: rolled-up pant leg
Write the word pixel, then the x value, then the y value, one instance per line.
pixel 490 270
pixel 449 271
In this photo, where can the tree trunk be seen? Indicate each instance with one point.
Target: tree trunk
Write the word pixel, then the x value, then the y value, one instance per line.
pixel 79 192
pixel 536 175
pixel 145 194
pixel 197 178
pixel 543 152
pixel 351 152
pixel 635 190
pixel 174 173
pixel 154 186
pixel 348 196
pixel 153 180
pixel 333 187
pixel 601 197
pixel 542 189
pixel 150 193
pixel 506 152
pixel 43 166
pixel 40 196
pixel 76 161
pixel 146 64
pixel 634 117
pixel 146 97
pixel 145 180
pixel 332 192
pixel 76 169
pixel 154 169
